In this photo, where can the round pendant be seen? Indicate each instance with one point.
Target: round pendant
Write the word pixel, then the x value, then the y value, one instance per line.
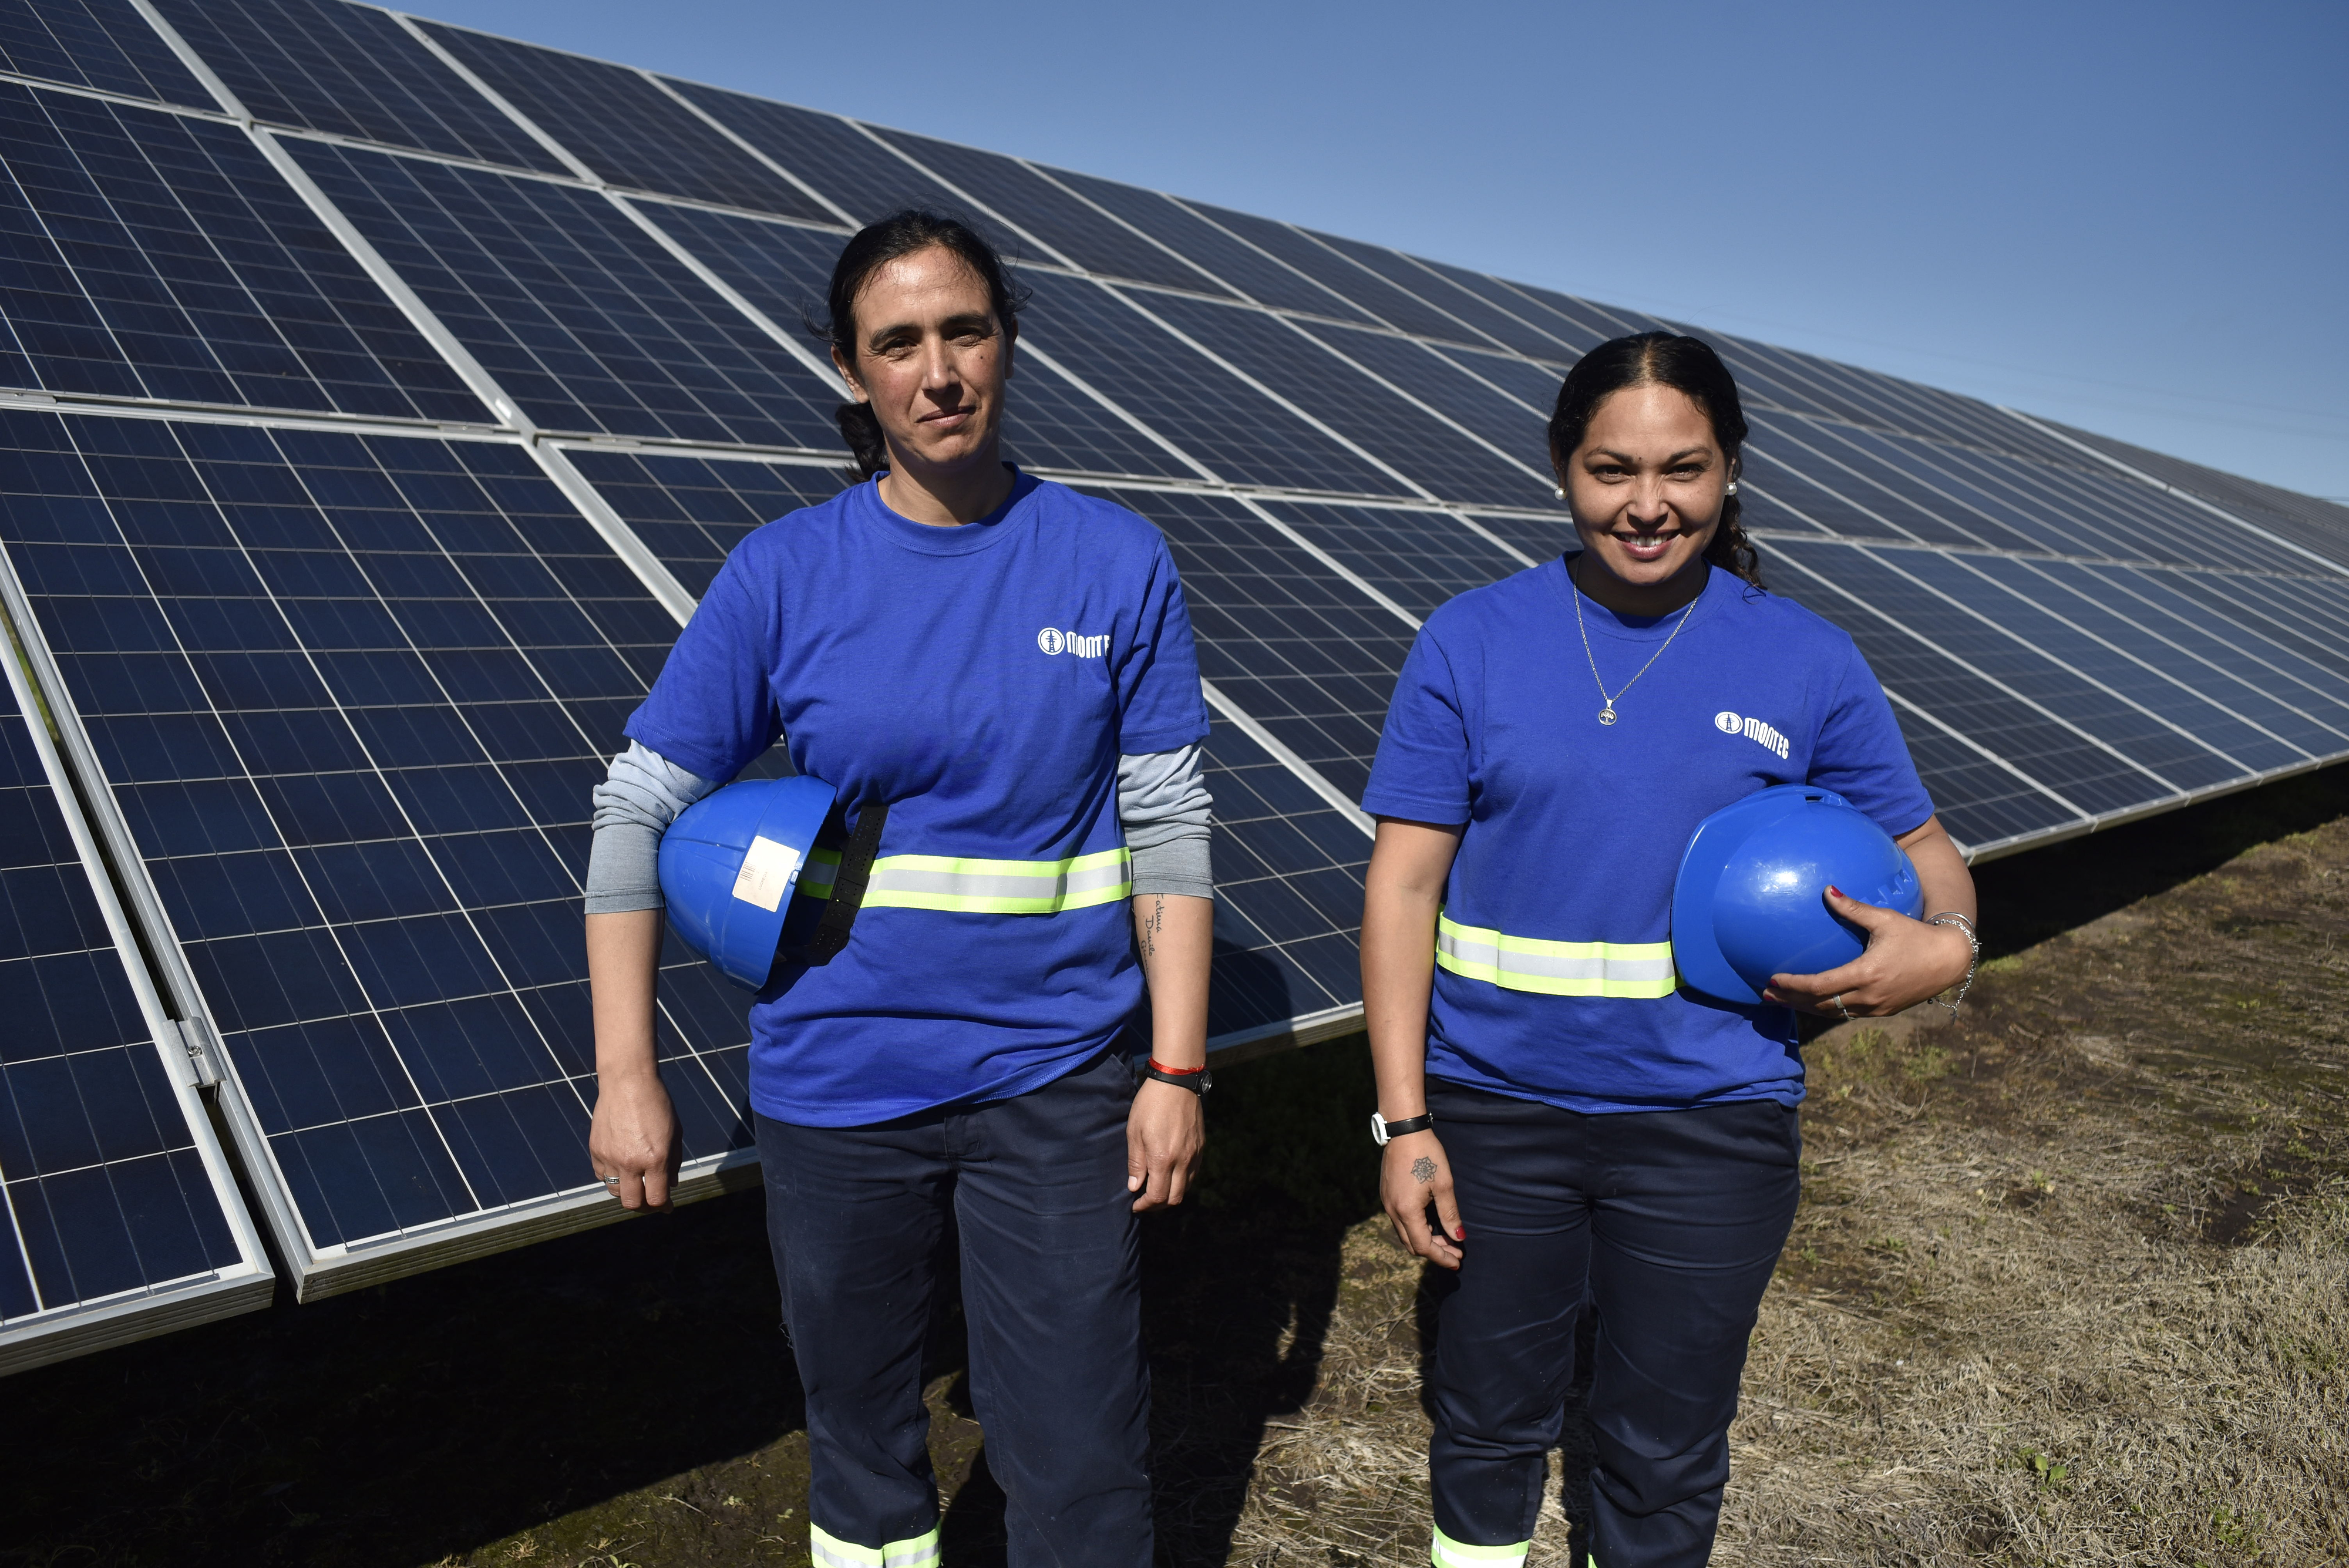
pixel 1607 715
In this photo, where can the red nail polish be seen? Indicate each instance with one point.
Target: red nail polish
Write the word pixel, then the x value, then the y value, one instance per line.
pixel 1836 891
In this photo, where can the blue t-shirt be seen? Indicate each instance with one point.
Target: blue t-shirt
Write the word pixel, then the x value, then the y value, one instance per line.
pixel 982 681
pixel 1575 830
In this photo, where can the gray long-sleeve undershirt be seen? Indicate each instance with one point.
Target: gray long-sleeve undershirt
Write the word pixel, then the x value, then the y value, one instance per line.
pixel 1162 803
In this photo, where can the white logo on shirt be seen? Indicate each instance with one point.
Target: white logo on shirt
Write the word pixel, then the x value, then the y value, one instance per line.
pixel 1052 641
pixel 1755 730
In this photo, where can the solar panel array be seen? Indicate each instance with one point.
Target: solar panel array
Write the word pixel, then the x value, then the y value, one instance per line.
pixel 375 396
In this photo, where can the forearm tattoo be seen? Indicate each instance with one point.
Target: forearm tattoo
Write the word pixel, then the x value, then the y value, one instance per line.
pixel 1423 1168
pixel 1153 921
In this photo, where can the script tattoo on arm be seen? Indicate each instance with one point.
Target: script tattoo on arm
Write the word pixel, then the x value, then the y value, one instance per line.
pixel 1151 924
pixel 1423 1168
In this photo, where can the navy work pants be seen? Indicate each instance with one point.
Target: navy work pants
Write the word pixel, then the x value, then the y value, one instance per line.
pixel 1036 1186
pixel 1665 1224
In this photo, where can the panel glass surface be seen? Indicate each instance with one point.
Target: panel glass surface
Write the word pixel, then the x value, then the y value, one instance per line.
pixel 785 272
pixel 350 70
pixel 621 125
pixel 1533 385
pixel 153 255
pixel 849 168
pixel 2306 520
pixel 582 317
pixel 691 512
pixel 1460 306
pixel 351 695
pixel 1079 231
pixel 1302 650
pixel 1237 265
pixel 1452 466
pixel 1419 559
pixel 1916 641
pixel 101 44
pixel 108 1200
pixel 1416 368
pixel 1289 891
pixel 1535 328
pixel 1382 300
pixel 1540 537
pixel 1243 436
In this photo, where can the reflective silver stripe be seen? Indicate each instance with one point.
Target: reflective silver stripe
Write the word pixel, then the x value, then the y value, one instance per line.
pixel 1637 971
pixel 982 886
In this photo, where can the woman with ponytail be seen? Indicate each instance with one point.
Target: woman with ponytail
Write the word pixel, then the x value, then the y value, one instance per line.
pixel 1589 1136
pixel 1005 665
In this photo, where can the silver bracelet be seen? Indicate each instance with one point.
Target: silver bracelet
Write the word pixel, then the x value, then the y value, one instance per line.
pixel 1973 942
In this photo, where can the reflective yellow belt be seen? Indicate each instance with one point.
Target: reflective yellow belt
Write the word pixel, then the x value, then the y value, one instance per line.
pixel 981 887
pixel 1555 969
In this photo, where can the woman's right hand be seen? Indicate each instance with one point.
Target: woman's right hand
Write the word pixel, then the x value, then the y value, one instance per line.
pixel 1415 1174
pixel 636 1136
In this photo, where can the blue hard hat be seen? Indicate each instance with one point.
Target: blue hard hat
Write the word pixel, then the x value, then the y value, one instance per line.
pixel 1747 904
pixel 728 865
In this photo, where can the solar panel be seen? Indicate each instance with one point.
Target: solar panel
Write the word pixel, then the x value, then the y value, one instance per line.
pixel 117 1215
pixel 583 317
pixel 348 70
pixel 621 124
pixel 349 695
pixel 336 657
pixel 158 256
pixel 104 45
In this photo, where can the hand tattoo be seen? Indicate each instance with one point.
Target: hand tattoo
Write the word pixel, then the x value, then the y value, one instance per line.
pixel 1423 1168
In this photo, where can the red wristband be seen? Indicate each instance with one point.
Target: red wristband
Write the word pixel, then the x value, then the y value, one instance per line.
pixel 1179 1071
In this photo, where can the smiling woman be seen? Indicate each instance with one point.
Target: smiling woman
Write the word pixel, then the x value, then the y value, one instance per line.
pixel 1612 1140
pixel 1007 667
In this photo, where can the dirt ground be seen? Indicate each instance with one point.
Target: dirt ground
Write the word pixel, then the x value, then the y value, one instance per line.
pixel 2070 1284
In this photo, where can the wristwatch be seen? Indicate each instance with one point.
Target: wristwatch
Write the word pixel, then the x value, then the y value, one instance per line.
pixel 1383 1129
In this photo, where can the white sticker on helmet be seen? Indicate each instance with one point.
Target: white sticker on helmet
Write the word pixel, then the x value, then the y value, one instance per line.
pixel 766 874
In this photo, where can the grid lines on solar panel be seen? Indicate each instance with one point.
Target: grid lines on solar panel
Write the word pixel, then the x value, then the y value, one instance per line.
pixel 1463 307
pixel 1599 322
pixel 1085 235
pixel 1245 437
pixel 1288 890
pixel 105 1193
pixel 2269 608
pixel 1540 537
pixel 100 43
pixel 2241 721
pixel 1449 465
pixel 831 155
pixel 1382 300
pixel 349 70
pixel 691 512
pixel 583 317
pixel 2306 520
pixel 619 124
pixel 1302 650
pixel 1419 559
pixel 351 696
pixel 160 256
pixel 1951 666
pixel 1238 264
pixel 786 272
pixel 1533 328
pixel 1811 467
pixel 1534 385
pixel 2213 625
pixel 1435 379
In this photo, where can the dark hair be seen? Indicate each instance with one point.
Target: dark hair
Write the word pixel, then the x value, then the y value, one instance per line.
pixel 1686 365
pixel 872 247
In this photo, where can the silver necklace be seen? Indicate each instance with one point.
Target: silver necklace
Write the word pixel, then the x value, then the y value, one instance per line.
pixel 1606 714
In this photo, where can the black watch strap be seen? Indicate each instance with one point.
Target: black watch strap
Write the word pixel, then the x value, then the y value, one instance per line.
pixel 1198 1083
pixel 1383 1130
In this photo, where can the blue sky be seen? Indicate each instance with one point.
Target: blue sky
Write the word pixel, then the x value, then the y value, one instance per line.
pixel 2134 219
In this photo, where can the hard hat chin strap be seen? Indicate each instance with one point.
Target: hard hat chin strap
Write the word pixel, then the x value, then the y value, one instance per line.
pixel 831 933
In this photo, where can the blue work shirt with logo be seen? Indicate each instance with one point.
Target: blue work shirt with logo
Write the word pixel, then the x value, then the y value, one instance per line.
pixel 982 681
pixel 1575 829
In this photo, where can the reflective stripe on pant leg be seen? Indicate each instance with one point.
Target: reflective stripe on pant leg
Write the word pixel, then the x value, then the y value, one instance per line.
pixel 831 1552
pixel 981 887
pixel 1634 970
pixel 1446 1553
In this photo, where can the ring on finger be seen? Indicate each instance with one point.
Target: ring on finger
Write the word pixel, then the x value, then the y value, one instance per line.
pixel 1841 1011
pixel 611 1181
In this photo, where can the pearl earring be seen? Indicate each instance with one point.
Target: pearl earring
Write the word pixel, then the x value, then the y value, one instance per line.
pixel 1732 490
pixel 1561 492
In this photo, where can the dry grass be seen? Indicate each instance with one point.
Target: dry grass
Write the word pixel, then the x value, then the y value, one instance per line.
pixel 2070 1283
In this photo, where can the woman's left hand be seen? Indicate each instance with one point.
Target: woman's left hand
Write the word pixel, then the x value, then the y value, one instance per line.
pixel 1165 1132
pixel 1906 961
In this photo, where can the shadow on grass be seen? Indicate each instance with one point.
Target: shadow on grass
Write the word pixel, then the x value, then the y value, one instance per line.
pixel 2031 896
